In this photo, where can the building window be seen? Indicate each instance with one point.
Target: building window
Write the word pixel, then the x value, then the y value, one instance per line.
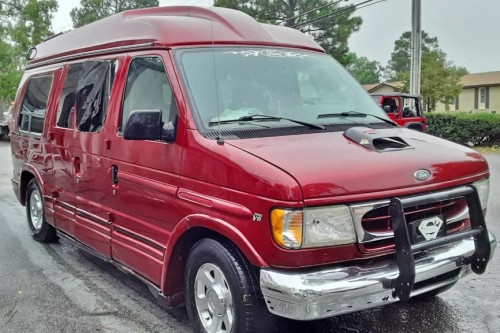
pixel 482 95
pixel 32 116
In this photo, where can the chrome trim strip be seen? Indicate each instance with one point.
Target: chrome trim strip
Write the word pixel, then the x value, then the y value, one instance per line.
pixel 464 214
pixel 92 217
pixel 64 205
pixel 205 201
pixel 88 53
pixel 358 211
pixel 139 238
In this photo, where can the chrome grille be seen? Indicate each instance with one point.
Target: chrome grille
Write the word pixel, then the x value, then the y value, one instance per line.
pixel 373 221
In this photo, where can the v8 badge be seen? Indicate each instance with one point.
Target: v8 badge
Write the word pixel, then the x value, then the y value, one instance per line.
pixel 257 217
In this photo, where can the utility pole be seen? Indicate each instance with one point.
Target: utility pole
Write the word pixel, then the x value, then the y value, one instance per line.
pixel 416 46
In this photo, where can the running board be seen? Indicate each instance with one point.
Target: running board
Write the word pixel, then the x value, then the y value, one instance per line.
pixel 153 288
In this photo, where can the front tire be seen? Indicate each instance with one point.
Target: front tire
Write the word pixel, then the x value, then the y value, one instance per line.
pixel 221 292
pixel 41 231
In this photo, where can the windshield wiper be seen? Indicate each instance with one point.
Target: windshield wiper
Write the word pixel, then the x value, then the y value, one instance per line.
pixel 263 116
pixel 355 114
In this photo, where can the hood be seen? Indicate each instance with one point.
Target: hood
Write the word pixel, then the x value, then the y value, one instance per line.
pixel 334 164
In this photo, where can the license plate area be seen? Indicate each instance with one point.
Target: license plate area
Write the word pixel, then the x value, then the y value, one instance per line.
pixel 427 229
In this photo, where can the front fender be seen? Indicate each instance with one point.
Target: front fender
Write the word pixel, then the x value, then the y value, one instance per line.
pixel 216 225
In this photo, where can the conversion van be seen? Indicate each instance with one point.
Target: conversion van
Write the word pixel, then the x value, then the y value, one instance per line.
pixel 236 168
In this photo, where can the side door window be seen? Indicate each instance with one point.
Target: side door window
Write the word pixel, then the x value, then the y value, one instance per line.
pixel 34 107
pixel 148 88
pixel 85 96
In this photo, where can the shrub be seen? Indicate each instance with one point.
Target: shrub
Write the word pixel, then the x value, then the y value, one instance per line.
pixel 476 129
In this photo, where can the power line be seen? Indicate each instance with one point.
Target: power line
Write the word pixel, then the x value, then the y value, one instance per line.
pixel 336 13
pixel 315 9
pixel 357 8
pixel 371 4
pixel 63 28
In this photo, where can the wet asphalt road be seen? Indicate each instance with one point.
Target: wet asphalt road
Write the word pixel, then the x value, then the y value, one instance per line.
pixel 59 288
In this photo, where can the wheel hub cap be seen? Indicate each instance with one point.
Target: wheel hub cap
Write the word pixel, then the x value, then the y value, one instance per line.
pixel 213 299
pixel 216 304
pixel 36 209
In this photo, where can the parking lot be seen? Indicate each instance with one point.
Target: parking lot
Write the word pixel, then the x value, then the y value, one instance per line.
pixel 58 288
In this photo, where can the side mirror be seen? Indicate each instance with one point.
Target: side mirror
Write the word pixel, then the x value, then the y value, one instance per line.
pixel 143 125
pixel 387 109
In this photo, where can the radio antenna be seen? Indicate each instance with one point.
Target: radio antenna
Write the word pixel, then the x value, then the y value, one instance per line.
pixel 219 138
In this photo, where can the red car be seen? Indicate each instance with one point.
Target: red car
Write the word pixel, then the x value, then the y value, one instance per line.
pixel 236 168
pixel 405 109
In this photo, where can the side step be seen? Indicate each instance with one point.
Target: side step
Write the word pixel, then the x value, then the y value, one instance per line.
pixel 153 288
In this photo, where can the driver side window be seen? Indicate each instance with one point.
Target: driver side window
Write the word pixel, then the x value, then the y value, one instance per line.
pixel 148 88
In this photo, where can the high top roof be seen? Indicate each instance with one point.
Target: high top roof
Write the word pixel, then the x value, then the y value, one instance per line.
pixel 169 27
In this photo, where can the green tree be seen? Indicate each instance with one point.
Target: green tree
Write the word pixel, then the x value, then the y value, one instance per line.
pixel 331 31
pixel 93 10
pixel 440 79
pixel 5 52
pixel 365 71
pixel 400 62
pixel 23 23
pixel 32 24
pixel 10 73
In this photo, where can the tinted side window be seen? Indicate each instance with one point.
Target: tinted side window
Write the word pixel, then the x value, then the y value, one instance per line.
pixel 65 113
pixel 86 92
pixel 148 88
pixel 34 106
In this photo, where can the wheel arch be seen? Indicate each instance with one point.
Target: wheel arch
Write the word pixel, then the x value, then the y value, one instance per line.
pixel 28 173
pixel 185 235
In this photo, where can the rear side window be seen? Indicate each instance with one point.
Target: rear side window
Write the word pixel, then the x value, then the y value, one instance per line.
pixel 85 95
pixel 148 88
pixel 34 108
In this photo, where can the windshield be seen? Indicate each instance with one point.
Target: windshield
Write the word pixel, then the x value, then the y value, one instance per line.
pixel 227 85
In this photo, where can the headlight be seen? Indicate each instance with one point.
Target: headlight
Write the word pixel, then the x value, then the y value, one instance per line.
pixel 328 226
pixel 483 191
pixel 313 227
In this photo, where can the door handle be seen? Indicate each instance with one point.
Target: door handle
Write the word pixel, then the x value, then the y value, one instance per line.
pixel 76 166
pixel 114 175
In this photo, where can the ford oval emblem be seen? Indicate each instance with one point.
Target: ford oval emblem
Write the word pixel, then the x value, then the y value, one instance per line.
pixel 422 174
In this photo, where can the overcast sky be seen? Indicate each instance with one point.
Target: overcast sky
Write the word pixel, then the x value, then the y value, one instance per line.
pixel 468 30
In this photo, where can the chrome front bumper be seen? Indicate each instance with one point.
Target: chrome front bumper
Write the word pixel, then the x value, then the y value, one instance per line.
pixel 335 291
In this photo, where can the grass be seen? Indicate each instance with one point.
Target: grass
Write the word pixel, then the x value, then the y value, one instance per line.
pixel 486 150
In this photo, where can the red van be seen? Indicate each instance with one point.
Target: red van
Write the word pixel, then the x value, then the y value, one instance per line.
pixel 235 167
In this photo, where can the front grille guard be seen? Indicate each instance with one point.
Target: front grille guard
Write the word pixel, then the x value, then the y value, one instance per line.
pixel 403 284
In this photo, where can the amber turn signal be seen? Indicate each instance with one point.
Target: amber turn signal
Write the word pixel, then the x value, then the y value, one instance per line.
pixel 286 227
